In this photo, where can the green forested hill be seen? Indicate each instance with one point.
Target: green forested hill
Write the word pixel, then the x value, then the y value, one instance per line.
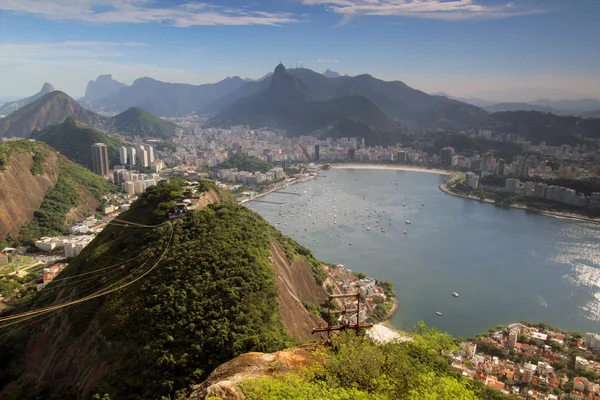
pixel 211 298
pixel 136 121
pixel 74 139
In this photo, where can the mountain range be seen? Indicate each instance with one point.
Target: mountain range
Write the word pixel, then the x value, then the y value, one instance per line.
pixel 587 108
pixel 290 104
pixel 395 100
pixel 55 107
pixel 167 99
pixel 51 108
pixel 11 106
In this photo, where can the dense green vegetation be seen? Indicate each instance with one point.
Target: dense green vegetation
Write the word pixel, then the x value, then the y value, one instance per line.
pixel 74 139
pixel 38 163
pixel 50 219
pixel 247 163
pixel 136 121
pixel 15 147
pixel 358 368
pixel 211 298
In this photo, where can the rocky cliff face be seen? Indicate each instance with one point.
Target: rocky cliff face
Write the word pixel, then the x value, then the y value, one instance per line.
pixel 18 205
pixel 222 382
pixel 28 171
pixel 102 87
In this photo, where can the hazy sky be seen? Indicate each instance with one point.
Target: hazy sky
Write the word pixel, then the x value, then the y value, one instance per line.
pixel 518 50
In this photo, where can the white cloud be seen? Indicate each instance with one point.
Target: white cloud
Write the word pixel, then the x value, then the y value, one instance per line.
pixel 321 60
pixel 434 9
pixel 141 11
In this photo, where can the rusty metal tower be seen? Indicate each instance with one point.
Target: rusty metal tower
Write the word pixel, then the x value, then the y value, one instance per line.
pixel 345 320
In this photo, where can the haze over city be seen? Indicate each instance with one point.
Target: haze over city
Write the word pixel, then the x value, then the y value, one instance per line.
pixel 496 50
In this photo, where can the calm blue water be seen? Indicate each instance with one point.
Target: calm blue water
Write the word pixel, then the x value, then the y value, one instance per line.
pixel 506 265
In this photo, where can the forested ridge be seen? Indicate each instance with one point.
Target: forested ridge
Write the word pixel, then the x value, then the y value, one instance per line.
pixel 211 298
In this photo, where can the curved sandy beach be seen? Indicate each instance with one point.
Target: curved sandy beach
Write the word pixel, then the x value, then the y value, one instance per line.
pixel 389 167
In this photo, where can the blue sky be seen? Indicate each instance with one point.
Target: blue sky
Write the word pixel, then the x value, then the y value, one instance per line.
pixel 518 50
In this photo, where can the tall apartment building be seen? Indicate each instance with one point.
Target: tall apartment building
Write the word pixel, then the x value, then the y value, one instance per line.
pixel 100 159
pixel 123 155
pixel 132 155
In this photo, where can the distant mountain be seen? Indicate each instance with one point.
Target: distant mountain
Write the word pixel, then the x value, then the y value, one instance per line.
pixel 102 87
pixel 288 104
pixel 52 108
pixel 396 99
pixel 331 74
pixel 576 106
pixel 469 100
pixel 167 99
pixel 74 139
pixel 9 107
pixel 553 129
pixel 139 122
pixel 591 114
pixel 520 106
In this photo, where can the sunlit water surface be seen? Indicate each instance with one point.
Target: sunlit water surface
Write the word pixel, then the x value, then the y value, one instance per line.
pixel 507 265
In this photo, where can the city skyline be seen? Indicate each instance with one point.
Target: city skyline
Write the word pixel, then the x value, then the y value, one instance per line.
pixel 501 51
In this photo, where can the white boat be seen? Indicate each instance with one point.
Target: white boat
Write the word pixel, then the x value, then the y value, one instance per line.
pixel 438 313
pixel 407 222
pixel 368 228
pixel 405 232
pixel 350 244
pixel 454 294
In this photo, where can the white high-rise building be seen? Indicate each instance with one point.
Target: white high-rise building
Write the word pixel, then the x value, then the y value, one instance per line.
pixel 150 150
pixel 143 158
pixel 123 155
pixel 132 155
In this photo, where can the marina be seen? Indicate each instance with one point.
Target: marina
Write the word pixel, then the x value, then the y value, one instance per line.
pixel 452 245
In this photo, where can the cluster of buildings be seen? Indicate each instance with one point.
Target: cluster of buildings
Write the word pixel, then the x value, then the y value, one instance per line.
pixel 142 155
pixel 48 274
pixel 249 178
pixel 530 379
pixel 553 193
pixel 133 182
pixel 72 245
pixel 348 282
pixel 80 235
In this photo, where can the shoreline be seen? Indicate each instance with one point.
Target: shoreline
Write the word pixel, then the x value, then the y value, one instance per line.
pixel 555 214
pixel 391 313
pixel 389 168
pixel 258 196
